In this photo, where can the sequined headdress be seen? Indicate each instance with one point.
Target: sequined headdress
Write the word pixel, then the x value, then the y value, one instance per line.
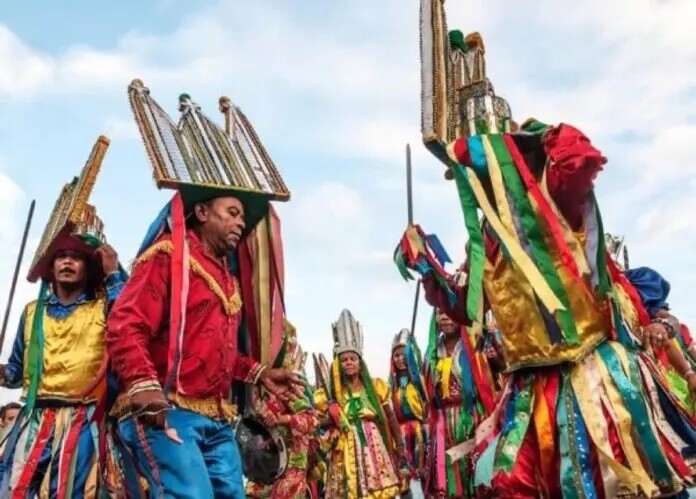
pixel 618 250
pixel 347 334
pixel 457 98
pixel 200 160
pixel 73 223
pixel 294 358
pixel 401 339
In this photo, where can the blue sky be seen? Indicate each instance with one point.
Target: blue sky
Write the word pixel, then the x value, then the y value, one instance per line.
pixel 332 89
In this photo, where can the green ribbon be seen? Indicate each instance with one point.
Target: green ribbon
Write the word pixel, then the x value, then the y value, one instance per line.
pixel 566 441
pixel 634 400
pixel 355 405
pixel 602 271
pixel 36 346
pixel 477 252
pixel 532 231
pixel 510 444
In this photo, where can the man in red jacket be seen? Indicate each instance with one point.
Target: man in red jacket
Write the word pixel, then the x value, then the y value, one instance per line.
pixel 173 334
pixel 191 442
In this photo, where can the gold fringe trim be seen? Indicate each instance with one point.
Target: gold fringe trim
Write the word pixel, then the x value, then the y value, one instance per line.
pixel 161 246
pixel 232 304
pixel 213 408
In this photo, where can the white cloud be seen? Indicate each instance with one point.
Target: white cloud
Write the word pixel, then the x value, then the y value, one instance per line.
pixel 342 82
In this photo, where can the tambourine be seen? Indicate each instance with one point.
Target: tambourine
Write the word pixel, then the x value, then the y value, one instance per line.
pixel 263 451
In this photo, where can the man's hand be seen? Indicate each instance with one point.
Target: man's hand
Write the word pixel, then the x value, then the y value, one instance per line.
pixel 150 407
pixel 282 383
pixel 109 258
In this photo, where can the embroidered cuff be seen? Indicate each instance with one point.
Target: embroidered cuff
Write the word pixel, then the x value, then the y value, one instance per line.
pixel 144 386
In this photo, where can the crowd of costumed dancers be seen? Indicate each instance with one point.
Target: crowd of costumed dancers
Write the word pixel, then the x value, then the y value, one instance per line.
pixel 552 368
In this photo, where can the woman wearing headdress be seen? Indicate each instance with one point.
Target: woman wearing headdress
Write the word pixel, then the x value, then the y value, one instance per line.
pixel 365 441
pixel 410 406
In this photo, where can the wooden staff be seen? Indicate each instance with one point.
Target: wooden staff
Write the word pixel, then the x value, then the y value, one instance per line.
pixel 409 208
pixel 13 287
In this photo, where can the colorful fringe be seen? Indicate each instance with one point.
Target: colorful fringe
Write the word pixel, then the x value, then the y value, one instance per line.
pixel 424 254
pixel 606 425
pixel 463 400
pixel 52 453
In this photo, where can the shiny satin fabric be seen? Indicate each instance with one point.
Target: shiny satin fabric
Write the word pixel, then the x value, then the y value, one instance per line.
pixel 526 340
pixel 73 350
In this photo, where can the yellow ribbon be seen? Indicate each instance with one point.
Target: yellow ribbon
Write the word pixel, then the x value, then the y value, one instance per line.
pixel 635 475
pixel 444 367
pixel 525 263
pixel 496 177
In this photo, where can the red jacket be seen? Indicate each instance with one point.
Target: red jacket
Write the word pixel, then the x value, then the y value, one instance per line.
pixel 138 326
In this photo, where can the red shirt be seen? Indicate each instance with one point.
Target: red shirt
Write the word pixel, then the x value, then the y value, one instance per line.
pixel 138 325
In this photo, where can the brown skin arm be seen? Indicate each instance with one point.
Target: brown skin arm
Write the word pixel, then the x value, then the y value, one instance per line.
pixel 397 436
pixel 682 366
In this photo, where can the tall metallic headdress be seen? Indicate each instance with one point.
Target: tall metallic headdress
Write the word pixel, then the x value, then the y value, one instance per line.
pixel 617 249
pixel 457 98
pixel 294 358
pixel 401 339
pixel 201 160
pixel 347 334
pixel 73 220
pixel 322 371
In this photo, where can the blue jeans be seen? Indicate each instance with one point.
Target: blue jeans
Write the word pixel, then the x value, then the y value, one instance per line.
pixel 204 466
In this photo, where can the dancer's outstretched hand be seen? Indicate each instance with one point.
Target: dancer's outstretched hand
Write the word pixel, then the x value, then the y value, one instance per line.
pixel 285 384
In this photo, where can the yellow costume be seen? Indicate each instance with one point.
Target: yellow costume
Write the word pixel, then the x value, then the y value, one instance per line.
pixel 365 445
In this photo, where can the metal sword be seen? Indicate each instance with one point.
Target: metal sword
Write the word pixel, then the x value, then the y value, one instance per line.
pixel 13 287
pixel 409 208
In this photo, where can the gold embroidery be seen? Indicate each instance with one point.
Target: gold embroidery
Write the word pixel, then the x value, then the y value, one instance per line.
pixel 232 304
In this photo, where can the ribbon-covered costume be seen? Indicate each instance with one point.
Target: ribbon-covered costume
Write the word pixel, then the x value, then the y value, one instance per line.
pixel 364 441
pixel 298 422
pixel 582 414
pixel 189 322
pixel 460 395
pixel 59 358
pixel 410 403
pixel 653 290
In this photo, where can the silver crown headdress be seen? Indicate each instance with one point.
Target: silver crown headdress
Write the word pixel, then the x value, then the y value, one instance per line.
pixel 322 371
pixel 617 249
pixel 401 338
pixel 347 334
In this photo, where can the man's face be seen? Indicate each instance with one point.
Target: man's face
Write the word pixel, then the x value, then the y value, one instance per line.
pixel 222 220
pixel 446 325
pixel 350 362
pixel 69 268
pixel 10 416
pixel 399 358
